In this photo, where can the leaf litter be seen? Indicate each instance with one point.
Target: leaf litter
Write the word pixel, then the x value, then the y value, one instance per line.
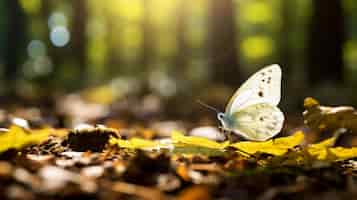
pixel 98 162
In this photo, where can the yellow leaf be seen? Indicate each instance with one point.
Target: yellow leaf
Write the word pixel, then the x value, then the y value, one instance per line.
pixel 179 139
pixel 18 137
pixel 341 153
pixel 325 152
pixel 275 147
pixel 320 150
pixel 138 143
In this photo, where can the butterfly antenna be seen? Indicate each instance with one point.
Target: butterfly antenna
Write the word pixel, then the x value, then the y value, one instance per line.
pixel 208 106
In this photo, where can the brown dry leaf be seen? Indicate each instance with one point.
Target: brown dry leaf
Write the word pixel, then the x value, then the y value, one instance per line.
pixel 324 118
pixel 195 193
pixel 182 171
pixel 93 138
pixel 139 191
pixel 209 167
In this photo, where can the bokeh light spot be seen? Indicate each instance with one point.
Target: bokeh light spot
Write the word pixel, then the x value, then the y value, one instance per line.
pixel 31 6
pixel 42 66
pixel 162 83
pixel 57 19
pixel 36 48
pixel 256 47
pixel 60 36
pixel 350 53
pixel 257 12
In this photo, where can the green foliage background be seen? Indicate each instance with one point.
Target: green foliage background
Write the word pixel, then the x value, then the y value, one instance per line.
pixel 163 47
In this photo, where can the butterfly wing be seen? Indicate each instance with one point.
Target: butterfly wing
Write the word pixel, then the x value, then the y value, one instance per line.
pixel 262 87
pixel 257 122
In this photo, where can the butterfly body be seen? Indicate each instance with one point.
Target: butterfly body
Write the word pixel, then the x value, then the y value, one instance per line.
pixel 252 112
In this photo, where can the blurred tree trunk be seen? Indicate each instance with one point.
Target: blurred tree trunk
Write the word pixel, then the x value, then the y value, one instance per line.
pixel 223 54
pixel 46 7
pixel 147 43
pixel 79 38
pixel 147 47
pixel 326 37
pixel 181 57
pixel 286 49
pixel 113 57
pixel 14 47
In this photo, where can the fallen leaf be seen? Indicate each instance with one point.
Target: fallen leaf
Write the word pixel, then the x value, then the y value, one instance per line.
pixel 18 137
pixel 320 150
pixel 195 193
pixel 325 151
pixel 341 153
pixel 179 139
pixel 182 171
pixel 323 118
pixel 94 138
pixel 142 192
pixel 138 143
pixel 276 147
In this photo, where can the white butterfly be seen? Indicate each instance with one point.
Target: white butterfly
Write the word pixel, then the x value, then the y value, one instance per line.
pixel 252 112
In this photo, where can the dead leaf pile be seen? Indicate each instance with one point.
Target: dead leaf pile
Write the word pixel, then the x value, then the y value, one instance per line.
pixel 97 162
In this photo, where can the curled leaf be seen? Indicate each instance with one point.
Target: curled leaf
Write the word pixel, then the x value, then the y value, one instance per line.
pixel 87 137
pixel 310 103
pixel 322 118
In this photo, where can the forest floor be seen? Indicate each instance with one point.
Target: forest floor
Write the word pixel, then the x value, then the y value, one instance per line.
pixel 127 159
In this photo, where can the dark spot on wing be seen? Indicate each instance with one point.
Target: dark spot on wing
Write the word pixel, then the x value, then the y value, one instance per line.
pixel 263 80
pixel 261 119
pixel 269 80
pixel 263 73
pixel 260 93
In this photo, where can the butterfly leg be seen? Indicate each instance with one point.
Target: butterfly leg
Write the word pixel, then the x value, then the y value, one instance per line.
pixel 229 134
pixel 225 131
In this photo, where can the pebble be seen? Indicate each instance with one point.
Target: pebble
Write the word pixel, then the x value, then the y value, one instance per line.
pixel 208 132
pixel 165 128
pixel 55 178
pixel 168 182
pixel 93 171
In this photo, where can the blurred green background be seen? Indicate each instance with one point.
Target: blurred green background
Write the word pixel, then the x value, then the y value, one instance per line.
pixel 179 50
